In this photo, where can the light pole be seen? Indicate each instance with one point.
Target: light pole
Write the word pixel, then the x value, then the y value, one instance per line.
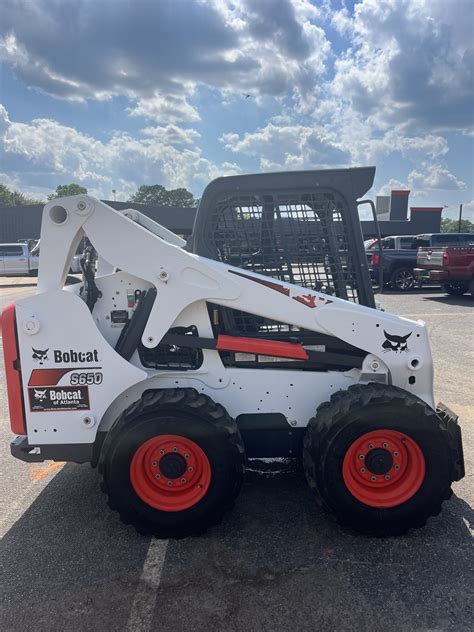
pixel 460 218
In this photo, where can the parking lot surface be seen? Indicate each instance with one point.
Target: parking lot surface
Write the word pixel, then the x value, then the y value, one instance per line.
pixel 275 563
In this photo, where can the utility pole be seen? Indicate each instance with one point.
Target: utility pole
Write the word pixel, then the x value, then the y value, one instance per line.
pixel 460 218
pixel 114 194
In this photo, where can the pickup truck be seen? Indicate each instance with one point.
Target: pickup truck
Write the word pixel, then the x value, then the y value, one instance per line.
pixel 398 266
pixel 18 260
pixel 452 267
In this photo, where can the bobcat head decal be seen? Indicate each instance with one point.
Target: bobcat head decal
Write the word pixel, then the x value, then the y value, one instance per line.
pixel 40 395
pixel 395 343
pixel 40 355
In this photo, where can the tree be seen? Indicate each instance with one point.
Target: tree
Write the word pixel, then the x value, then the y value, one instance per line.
pixel 63 190
pixel 9 197
pixel 160 196
pixel 452 225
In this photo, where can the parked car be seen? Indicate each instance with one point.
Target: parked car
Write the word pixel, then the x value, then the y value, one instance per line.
pixel 398 265
pixel 18 260
pixel 452 267
pixel 394 242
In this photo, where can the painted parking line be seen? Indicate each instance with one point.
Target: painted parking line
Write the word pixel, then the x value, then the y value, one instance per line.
pixel 143 606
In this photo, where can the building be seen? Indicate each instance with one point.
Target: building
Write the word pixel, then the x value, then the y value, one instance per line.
pixel 24 222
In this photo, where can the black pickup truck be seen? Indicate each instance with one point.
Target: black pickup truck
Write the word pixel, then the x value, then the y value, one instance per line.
pixel 398 264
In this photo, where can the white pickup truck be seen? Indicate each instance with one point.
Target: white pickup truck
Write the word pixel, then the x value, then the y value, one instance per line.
pixel 18 260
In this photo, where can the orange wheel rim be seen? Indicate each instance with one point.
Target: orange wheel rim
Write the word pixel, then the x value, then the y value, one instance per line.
pixel 383 468
pixel 170 473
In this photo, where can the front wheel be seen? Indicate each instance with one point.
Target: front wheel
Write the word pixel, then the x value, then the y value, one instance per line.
pixel 379 459
pixel 402 280
pixel 173 463
pixel 455 288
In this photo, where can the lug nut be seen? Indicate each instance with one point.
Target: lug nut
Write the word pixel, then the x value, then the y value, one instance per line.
pixel 183 480
pixel 395 453
pixel 186 456
pixel 175 449
pixel 155 463
pixel 361 457
pixel 162 451
pixel 373 478
pixel 158 476
pixel 362 470
pixel 371 446
pixel 397 467
pixel 169 483
pixel 190 469
pixel 387 477
pixel 384 445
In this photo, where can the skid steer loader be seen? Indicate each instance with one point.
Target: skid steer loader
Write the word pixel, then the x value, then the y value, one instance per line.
pixel 168 367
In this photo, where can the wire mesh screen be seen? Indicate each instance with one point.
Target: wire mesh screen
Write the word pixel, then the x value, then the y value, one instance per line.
pixel 300 238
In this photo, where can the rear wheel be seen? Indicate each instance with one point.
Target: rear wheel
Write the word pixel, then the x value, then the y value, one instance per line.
pixel 379 459
pixel 173 463
pixel 456 288
pixel 403 279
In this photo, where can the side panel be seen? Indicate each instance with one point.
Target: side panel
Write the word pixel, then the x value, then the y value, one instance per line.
pixel 70 373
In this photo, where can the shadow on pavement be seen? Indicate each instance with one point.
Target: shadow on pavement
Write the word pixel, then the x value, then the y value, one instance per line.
pixel 447 299
pixel 275 563
pixel 68 563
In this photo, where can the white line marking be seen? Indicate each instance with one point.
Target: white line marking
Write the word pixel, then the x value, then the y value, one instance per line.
pixel 143 606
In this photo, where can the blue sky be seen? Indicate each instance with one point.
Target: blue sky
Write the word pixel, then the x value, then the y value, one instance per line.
pixel 117 93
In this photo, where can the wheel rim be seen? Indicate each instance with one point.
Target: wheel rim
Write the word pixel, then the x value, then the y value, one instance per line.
pixel 404 280
pixel 170 473
pixel 383 468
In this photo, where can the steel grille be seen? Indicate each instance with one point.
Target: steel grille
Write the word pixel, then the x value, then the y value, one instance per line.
pixel 300 238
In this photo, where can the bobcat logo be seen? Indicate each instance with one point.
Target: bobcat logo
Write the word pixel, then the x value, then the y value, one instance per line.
pixel 395 343
pixel 40 395
pixel 39 355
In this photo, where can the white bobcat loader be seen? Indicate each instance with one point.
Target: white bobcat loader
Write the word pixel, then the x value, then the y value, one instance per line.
pixel 168 369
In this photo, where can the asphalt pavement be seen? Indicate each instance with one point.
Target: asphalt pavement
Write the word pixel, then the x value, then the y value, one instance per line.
pixel 276 563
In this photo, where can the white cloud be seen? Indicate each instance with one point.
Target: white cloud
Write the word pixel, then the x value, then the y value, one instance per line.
pixel 434 176
pixel 170 108
pixel 410 63
pixel 158 53
pixel 392 184
pixel 122 162
pixel 288 147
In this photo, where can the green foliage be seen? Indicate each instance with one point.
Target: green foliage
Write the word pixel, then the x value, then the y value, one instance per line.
pixel 15 198
pixel 63 190
pixel 452 226
pixel 158 195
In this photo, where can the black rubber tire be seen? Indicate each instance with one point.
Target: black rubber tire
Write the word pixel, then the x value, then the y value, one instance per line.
pixel 456 288
pixel 402 280
pixel 349 415
pixel 185 412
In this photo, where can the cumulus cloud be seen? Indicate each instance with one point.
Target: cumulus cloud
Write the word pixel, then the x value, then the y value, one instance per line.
pixel 434 176
pixel 123 162
pixel 288 147
pixel 157 53
pixel 411 62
